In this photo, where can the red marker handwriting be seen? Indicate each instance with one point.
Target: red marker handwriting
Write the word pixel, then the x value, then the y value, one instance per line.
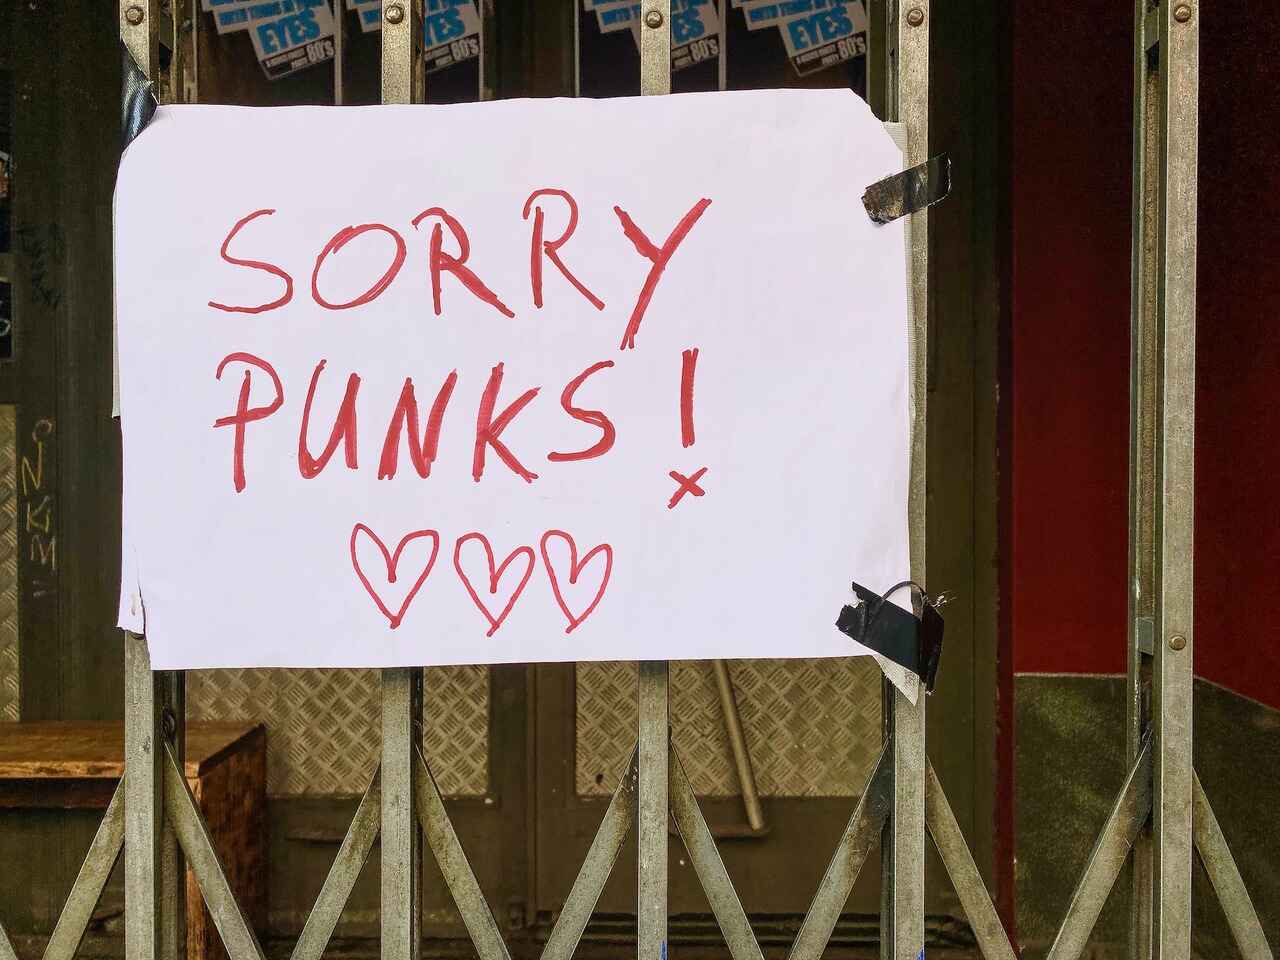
pixel 340 240
pixel 246 414
pixel 550 249
pixel 439 262
pixel 686 485
pixel 688 366
pixel 422 450
pixel 576 567
pixel 344 428
pixel 595 417
pixel 658 256
pixel 392 561
pixel 495 577
pixel 489 428
pixel 270 268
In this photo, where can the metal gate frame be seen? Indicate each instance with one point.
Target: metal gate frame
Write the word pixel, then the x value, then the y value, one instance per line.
pixel 154 818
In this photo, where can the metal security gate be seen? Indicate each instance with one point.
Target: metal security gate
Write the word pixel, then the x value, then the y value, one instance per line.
pixel 1159 814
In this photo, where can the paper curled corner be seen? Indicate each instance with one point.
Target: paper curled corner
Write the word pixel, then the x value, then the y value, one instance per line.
pixel 895 634
pixel 137 99
pixel 913 189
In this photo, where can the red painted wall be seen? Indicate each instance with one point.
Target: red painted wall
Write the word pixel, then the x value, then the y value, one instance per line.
pixel 1238 351
pixel 1070 143
pixel 1070 196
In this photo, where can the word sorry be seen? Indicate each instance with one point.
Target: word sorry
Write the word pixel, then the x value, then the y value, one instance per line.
pixel 497 585
pixel 439 262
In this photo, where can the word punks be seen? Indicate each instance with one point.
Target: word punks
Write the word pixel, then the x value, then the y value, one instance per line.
pixel 409 425
pixel 239 248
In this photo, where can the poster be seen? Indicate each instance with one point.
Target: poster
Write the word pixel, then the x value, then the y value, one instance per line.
pixel 816 41
pixel 450 29
pixel 606 397
pixel 299 37
pixel 695 27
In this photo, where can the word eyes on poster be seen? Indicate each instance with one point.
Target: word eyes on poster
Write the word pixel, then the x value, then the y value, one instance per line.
pixel 291 35
pixel 568 398
pixel 816 34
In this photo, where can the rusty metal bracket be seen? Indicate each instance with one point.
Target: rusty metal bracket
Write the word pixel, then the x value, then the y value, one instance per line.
pixel 909 191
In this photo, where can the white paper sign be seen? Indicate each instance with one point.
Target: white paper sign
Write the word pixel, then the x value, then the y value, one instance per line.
pixel 536 380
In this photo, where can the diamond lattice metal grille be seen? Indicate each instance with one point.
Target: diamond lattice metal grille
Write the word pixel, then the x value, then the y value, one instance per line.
pixel 812 726
pixel 323 726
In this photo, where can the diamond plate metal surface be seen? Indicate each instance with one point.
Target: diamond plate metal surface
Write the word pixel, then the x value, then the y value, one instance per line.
pixel 812 726
pixel 8 564
pixel 324 726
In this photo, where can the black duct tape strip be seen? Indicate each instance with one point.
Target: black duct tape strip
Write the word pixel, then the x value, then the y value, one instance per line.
pixel 913 189
pixel 909 641
pixel 138 99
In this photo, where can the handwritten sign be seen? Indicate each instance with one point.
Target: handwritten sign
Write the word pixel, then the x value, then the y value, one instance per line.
pixel 544 380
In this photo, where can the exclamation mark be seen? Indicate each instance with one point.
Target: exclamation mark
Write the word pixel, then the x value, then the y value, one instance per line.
pixel 688 367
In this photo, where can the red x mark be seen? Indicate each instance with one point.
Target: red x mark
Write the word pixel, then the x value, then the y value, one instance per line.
pixel 687 485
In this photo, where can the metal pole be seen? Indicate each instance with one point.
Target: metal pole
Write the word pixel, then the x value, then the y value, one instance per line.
pixel 654 737
pixel 401 836
pixel 902 881
pixel 1172 831
pixel 402 687
pixel 488 85
pixel 1142 413
pixel 1162 436
pixel 154 888
pixel 654 711
pixel 155 708
pixel 339 53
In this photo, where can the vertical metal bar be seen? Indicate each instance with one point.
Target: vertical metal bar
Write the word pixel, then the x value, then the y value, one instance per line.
pixel 577 50
pixel 401 835
pixel 173 867
pixel 654 707
pixel 654 735
pixel 399 27
pixel 488 50
pixel 194 7
pixel 1174 470
pixel 155 895
pixel 401 889
pixel 722 59
pixel 902 882
pixel 140 31
pixel 339 52
pixel 655 47
pixel 1142 412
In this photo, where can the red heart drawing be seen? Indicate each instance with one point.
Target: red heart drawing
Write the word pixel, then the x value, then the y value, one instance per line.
pixel 392 560
pixel 575 568
pixel 495 575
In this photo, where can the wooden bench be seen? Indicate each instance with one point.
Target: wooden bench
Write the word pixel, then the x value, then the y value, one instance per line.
pixel 77 766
